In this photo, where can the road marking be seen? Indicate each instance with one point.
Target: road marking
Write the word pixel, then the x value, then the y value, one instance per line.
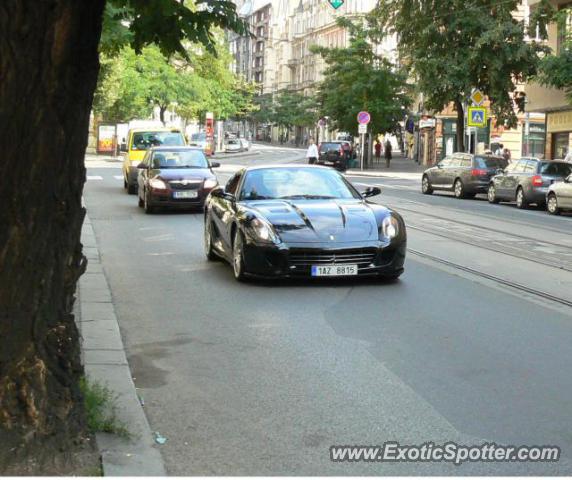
pixel 118 177
pixel 94 177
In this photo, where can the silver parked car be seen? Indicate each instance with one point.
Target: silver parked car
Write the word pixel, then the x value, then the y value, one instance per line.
pixel 527 181
pixel 462 173
pixel 559 196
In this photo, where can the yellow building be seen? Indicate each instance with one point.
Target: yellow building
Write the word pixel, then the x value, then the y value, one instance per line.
pixel 551 101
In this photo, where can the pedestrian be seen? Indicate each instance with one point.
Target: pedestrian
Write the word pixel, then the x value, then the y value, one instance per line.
pixel 377 150
pixel 506 154
pixel 499 151
pixel 387 149
pixel 312 152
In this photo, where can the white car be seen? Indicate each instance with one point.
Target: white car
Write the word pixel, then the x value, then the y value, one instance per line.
pixel 233 145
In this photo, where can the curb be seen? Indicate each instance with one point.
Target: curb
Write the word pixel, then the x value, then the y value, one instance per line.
pixel 104 359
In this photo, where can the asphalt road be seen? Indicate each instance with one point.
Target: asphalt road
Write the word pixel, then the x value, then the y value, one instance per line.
pixel 252 379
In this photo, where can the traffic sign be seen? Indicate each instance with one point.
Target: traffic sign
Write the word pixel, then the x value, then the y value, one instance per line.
pixel 362 128
pixel 363 117
pixel 477 97
pixel 336 3
pixel 477 117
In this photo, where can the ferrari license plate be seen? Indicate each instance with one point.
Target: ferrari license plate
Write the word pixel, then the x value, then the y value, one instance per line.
pixel 186 194
pixel 334 270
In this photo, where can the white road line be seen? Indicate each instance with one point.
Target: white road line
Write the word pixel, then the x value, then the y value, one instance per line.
pixel 118 177
pixel 94 177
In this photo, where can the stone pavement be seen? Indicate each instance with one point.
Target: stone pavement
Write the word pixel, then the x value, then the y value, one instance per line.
pixel 105 362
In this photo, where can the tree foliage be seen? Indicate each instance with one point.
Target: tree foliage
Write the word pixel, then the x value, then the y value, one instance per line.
pixel 556 69
pixel 454 46
pixel 357 78
pixel 292 109
pixel 131 85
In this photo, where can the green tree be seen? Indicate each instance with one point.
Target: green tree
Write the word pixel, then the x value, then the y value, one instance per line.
pixel 50 64
pixel 357 78
pixel 452 46
pixel 556 68
pixel 292 109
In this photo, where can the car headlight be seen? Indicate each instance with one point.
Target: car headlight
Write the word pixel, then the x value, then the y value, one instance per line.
pixel 158 184
pixel 210 183
pixel 389 228
pixel 262 231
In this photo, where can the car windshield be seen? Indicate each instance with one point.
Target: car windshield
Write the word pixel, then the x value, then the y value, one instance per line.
pixel 295 183
pixel 198 137
pixel 554 168
pixel 232 142
pixel 179 159
pixel 491 162
pixel 146 140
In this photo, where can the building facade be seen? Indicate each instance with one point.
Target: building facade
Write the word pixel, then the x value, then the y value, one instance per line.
pixel 552 102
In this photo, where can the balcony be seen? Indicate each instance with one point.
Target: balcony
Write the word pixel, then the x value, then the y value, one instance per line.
pixel 293 62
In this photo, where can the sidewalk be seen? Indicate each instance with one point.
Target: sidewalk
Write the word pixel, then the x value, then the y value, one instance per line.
pixel 400 167
pixel 105 362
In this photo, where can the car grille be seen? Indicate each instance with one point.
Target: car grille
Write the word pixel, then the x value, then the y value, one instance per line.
pixel 185 185
pixel 356 256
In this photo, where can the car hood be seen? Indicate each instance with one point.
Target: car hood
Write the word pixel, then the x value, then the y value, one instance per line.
pixel 307 221
pixel 169 174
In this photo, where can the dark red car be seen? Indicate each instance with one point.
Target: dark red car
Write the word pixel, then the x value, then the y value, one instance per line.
pixel 175 177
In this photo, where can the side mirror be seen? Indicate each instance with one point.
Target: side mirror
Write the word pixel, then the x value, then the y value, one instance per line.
pixel 143 166
pixel 371 192
pixel 500 171
pixel 568 179
pixel 439 165
pixel 215 164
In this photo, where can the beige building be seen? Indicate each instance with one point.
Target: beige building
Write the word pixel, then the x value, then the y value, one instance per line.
pixel 551 101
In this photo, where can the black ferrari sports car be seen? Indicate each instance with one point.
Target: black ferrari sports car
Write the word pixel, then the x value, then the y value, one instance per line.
pixel 302 221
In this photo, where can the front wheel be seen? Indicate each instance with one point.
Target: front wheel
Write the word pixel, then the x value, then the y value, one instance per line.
pixel 147 205
pixel 426 187
pixel 209 251
pixel 492 194
pixel 520 199
pixel 459 189
pixel 552 205
pixel 238 257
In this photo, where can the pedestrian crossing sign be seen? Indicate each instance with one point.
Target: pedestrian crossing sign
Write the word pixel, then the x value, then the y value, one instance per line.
pixel 477 117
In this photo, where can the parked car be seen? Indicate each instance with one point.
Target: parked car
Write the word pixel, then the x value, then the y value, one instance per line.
pixel 462 173
pixel 559 196
pixel 139 141
pixel 200 140
pixel 302 221
pixel 175 177
pixel 233 145
pixel 526 181
pixel 332 154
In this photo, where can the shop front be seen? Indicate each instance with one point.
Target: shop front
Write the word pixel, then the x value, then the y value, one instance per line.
pixel 558 134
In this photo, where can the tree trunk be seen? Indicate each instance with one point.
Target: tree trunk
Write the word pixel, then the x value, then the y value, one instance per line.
pixel 48 72
pixel 162 110
pixel 460 126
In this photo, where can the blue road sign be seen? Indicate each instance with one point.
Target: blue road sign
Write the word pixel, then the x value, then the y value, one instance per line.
pixel 477 117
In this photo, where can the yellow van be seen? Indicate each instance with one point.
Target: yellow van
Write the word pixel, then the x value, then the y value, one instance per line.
pixel 139 140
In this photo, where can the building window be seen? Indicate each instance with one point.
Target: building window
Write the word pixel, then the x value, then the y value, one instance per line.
pixel 564 28
pixel 560 144
pixel 534 145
